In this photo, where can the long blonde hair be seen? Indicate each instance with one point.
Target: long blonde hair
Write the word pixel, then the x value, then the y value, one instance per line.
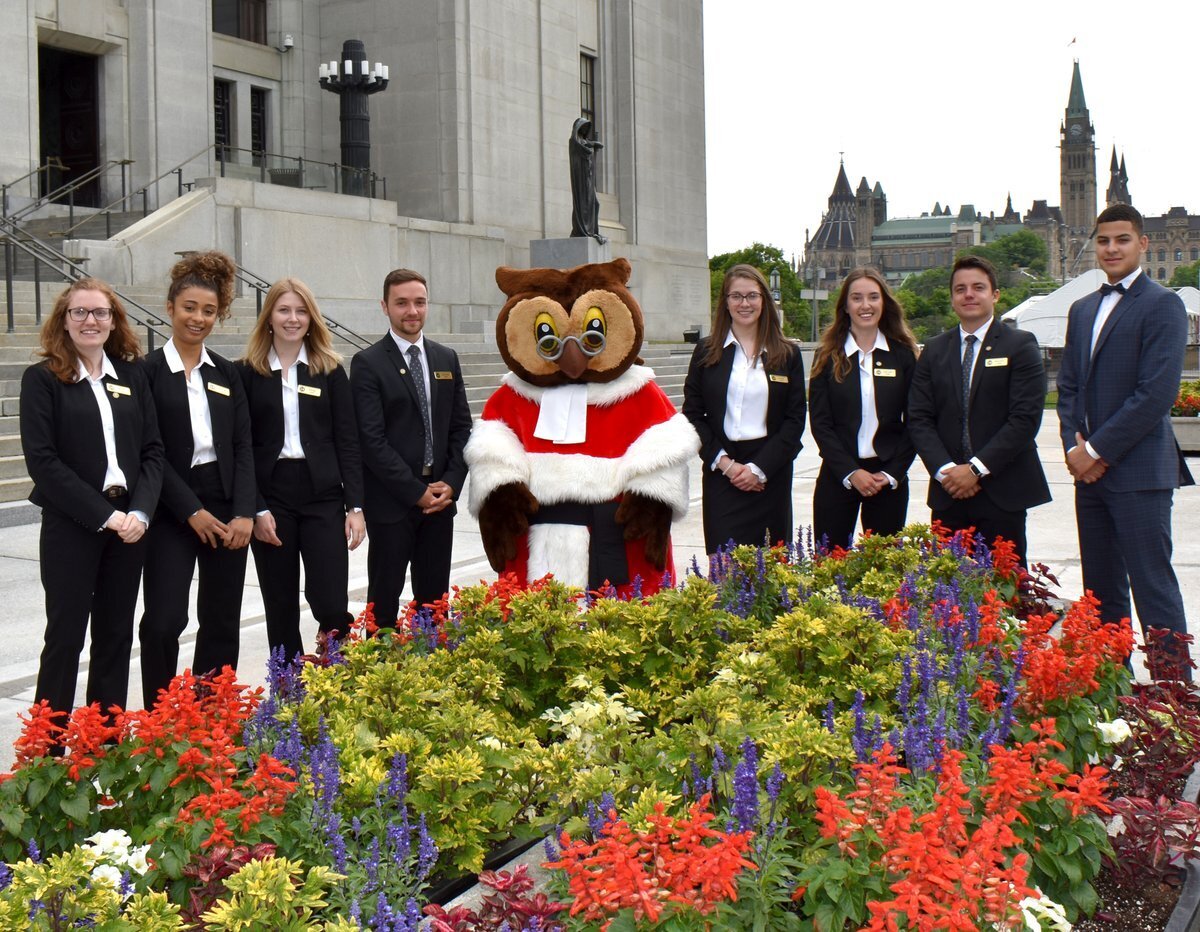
pixel 318 341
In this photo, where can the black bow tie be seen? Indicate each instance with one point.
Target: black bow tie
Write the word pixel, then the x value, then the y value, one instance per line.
pixel 1107 289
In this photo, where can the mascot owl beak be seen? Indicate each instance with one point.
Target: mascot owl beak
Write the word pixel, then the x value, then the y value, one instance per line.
pixel 572 363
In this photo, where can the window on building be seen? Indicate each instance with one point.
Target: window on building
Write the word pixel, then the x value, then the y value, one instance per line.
pixel 1195 253
pixel 223 119
pixel 587 88
pixel 1162 255
pixel 243 19
pixel 258 122
pixel 1162 274
pixel 1178 255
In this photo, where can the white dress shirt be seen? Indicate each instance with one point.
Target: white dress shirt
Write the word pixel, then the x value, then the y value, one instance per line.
pixel 203 450
pixel 113 474
pixel 980 336
pixel 404 345
pixel 745 402
pixel 869 425
pixel 291 450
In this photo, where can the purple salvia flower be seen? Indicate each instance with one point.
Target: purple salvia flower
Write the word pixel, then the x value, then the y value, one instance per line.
pixel 635 591
pixel 971 620
pixel 720 761
pixel 964 714
pixel 412 916
pixel 904 690
pixel 775 783
pixel 595 819
pixel 35 855
pixel 830 725
pixel 549 847
pixel 427 851
pixel 745 787
pixel 785 601
pixel 6 876
pixel 858 739
pixel 695 570
pixel 126 886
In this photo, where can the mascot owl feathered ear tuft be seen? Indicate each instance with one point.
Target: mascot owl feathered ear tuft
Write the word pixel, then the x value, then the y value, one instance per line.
pixel 580 461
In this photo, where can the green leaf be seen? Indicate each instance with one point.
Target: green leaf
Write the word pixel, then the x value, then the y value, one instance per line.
pixel 76 807
pixel 13 821
pixel 36 791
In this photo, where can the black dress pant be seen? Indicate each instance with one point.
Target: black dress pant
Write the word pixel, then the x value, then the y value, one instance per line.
pixel 425 541
pixel 836 508
pixel 312 527
pixel 84 573
pixel 988 519
pixel 173 553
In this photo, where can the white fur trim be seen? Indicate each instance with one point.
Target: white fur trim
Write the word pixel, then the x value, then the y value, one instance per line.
pixel 561 549
pixel 495 457
pixel 656 465
pixel 601 394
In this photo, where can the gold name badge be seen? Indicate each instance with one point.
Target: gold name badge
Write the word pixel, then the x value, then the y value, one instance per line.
pixel 219 389
pixel 997 361
pixel 443 375
pixel 309 390
pixel 778 378
pixel 885 373
pixel 118 389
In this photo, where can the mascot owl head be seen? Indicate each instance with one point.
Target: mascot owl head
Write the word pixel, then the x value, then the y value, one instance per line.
pixel 563 326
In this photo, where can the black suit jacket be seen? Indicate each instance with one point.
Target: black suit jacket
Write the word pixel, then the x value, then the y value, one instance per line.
pixel 63 441
pixel 1007 395
pixel 391 430
pixel 230 427
pixel 328 430
pixel 835 414
pixel 704 396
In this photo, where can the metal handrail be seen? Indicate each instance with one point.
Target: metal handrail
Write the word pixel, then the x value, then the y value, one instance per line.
pixel 52 161
pixel 68 190
pixel 107 210
pixel 373 178
pixel 70 270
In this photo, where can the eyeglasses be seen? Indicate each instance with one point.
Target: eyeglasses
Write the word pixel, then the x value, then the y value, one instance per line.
pixel 101 314
pixel 551 347
pixel 751 296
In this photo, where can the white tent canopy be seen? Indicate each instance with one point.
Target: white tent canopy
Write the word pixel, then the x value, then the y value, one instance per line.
pixel 1046 315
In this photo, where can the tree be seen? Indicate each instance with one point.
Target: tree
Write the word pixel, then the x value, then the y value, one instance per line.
pixel 1185 275
pixel 797 314
pixel 1020 250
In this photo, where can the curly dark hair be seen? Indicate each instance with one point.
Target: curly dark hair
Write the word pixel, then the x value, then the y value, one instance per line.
pixel 213 271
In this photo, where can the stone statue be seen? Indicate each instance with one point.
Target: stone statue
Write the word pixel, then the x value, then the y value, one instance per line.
pixel 585 209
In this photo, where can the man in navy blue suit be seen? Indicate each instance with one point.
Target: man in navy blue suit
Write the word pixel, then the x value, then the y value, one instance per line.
pixel 1120 375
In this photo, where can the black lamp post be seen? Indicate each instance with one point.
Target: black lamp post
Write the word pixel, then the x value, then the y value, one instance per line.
pixel 353 79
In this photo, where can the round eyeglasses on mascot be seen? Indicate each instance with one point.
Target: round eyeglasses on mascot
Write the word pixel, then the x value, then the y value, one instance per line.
pixel 580 461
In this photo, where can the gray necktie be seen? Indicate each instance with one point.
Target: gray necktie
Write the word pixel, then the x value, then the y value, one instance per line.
pixel 968 361
pixel 418 373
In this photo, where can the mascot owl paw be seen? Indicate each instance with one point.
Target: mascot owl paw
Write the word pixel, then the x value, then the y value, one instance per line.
pixel 503 520
pixel 650 520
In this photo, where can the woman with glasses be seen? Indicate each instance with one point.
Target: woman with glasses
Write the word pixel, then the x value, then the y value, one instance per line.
pixel 206 513
pixel 744 394
pixel 857 398
pixel 91 444
pixel 306 463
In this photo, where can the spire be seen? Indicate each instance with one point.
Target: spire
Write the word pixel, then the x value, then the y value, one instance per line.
pixel 1076 105
pixel 1124 174
pixel 1113 167
pixel 863 187
pixel 841 187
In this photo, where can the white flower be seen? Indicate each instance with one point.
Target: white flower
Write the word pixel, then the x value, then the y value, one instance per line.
pixel 491 741
pixel 106 874
pixel 1114 732
pixel 113 844
pixel 136 861
pixel 1042 914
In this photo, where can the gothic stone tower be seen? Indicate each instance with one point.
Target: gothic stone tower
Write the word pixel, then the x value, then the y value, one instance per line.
pixel 1078 179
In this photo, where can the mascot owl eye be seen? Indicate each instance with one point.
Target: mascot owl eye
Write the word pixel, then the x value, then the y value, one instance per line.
pixel 594 331
pixel 546 336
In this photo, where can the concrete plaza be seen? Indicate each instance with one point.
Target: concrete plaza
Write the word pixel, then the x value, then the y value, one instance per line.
pixel 1052 540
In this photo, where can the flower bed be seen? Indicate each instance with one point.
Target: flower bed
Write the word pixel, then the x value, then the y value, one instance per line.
pixel 885 738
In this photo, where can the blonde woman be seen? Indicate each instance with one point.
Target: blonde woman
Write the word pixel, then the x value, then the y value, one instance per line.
pixel 307 464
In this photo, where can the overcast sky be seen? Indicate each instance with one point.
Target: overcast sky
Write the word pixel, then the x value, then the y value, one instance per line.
pixel 938 101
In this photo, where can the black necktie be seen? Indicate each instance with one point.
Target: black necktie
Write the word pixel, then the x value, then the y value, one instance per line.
pixel 418 372
pixel 1107 289
pixel 968 361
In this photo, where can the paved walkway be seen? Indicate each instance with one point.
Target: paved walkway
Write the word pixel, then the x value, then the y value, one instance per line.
pixel 1052 540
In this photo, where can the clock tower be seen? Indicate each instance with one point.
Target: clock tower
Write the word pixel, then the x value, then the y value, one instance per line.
pixel 1078 180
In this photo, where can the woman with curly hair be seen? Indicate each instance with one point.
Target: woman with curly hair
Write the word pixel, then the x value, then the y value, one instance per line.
pixel 306 462
pixel 857 397
pixel 91 444
pixel 206 513
pixel 744 394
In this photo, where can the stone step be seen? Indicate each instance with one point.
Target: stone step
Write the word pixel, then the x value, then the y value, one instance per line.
pixel 15 490
pixel 12 466
pixel 10 445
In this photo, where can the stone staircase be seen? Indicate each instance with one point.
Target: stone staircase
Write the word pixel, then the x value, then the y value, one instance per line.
pixel 50 231
pixel 482 365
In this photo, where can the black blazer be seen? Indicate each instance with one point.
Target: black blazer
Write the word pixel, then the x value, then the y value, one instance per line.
pixel 328 430
pixel 704 395
pixel 391 431
pixel 63 441
pixel 835 414
pixel 231 434
pixel 1008 392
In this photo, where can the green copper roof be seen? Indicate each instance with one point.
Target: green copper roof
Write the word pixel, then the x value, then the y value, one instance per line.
pixel 1076 105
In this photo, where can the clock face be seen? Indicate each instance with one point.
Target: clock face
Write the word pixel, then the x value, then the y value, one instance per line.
pixel 1076 131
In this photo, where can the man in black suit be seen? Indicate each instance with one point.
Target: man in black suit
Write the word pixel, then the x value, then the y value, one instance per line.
pixel 973 414
pixel 1120 375
pixel 413 423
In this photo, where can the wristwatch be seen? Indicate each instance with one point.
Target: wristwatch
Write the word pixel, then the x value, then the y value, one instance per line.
pixel 975 469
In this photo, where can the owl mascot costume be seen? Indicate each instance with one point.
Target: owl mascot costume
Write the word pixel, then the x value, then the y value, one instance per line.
pixel 580 461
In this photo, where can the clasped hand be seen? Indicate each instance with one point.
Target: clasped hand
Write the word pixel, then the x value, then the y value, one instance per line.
pixel 1081 464
pixel 127 526
pixel 741 476
pixel 960 481
pixel 438 495
pixel 868 484
pixel 234 536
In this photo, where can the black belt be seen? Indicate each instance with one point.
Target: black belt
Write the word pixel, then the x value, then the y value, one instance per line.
pixel 606 550
pixel 116 491
pixel 426 471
